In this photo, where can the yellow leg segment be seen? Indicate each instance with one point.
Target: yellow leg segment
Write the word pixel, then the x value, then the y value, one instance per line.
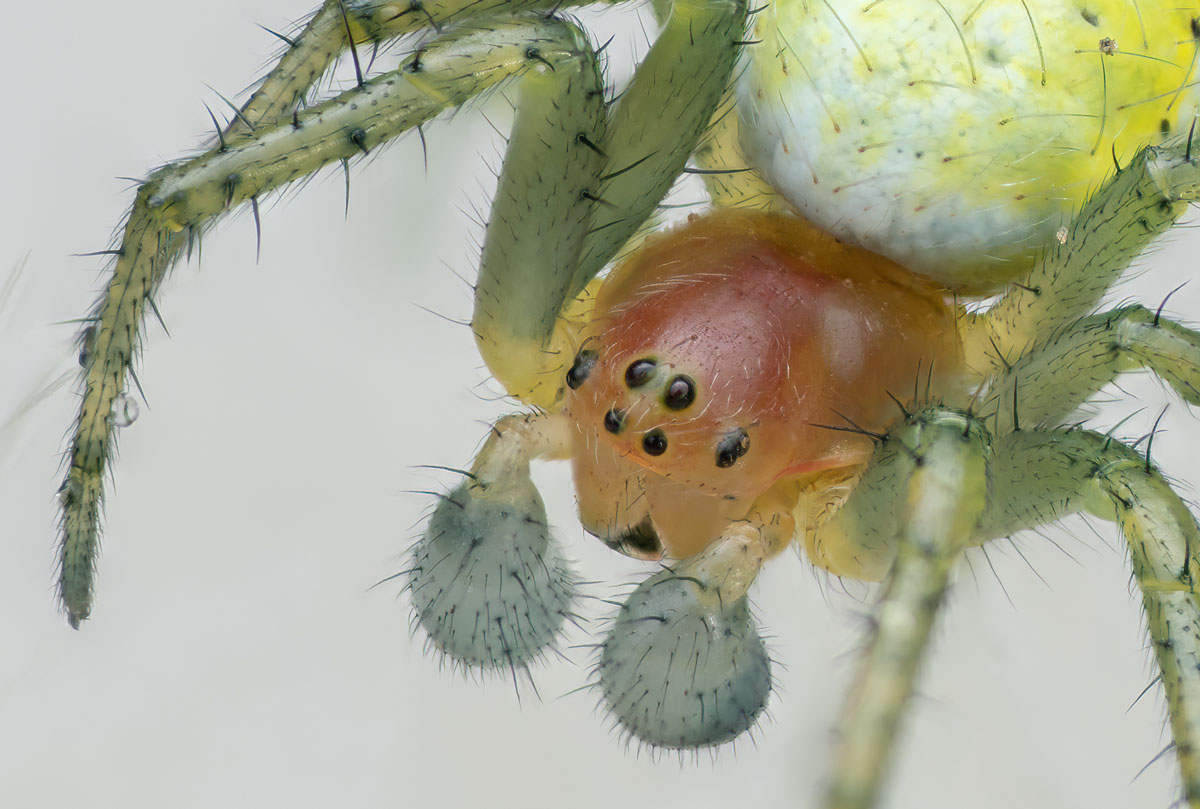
pixel 1046 385
pixel 936 465
pixel 575 187
pixel 327 34
pixel 180 200
pixel 1039 476
pixel 1138 204
pixel 654 127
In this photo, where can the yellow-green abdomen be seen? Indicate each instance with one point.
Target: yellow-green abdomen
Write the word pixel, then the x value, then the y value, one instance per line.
pixel 958 136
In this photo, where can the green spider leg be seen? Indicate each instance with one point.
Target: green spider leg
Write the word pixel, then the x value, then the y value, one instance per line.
pixel 180 199
pixel 1045 351
pixel 1137 205
pixel 332 29
pixel 1048 474
pixel 908 522
pixel 580 177
pixel 1046 384
pixel 941 483
pixel 915 510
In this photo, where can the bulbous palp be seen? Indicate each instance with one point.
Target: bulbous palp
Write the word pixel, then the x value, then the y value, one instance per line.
pixel 487 583
pixel 682 669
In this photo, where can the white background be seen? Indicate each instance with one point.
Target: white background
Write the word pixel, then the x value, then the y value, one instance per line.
pixel 236 656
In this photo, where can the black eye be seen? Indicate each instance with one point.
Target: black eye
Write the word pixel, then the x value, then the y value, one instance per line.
pixel 681 392
pixel 614 420
pixel 654 442
pixel 733 446
pixel 585 361
pixel 639 372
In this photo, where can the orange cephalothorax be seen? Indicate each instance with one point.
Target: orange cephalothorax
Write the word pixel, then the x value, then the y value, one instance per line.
pixel 715 355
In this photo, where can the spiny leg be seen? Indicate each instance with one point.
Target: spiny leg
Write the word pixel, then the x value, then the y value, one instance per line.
pixel 931 487
pixel 327 34
pixel 543 246
pixel 179 200
pixel 1138 204
pixel 1047 384
pixel 545 240
pixel 1039 476
pixel 660 118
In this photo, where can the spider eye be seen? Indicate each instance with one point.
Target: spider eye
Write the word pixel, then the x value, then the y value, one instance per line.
pixel 585 361
pixel 733 446
pixel 681 392
pixel 654 442
pixel 614 420
pixel 639 372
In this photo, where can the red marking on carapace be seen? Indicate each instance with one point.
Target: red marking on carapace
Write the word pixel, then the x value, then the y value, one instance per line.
pixel 781 328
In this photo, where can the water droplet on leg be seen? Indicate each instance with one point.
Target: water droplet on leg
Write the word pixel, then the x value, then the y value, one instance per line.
pixel 124 410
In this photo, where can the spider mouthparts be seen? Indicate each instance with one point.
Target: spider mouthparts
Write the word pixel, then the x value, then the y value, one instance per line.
pixel 639 542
